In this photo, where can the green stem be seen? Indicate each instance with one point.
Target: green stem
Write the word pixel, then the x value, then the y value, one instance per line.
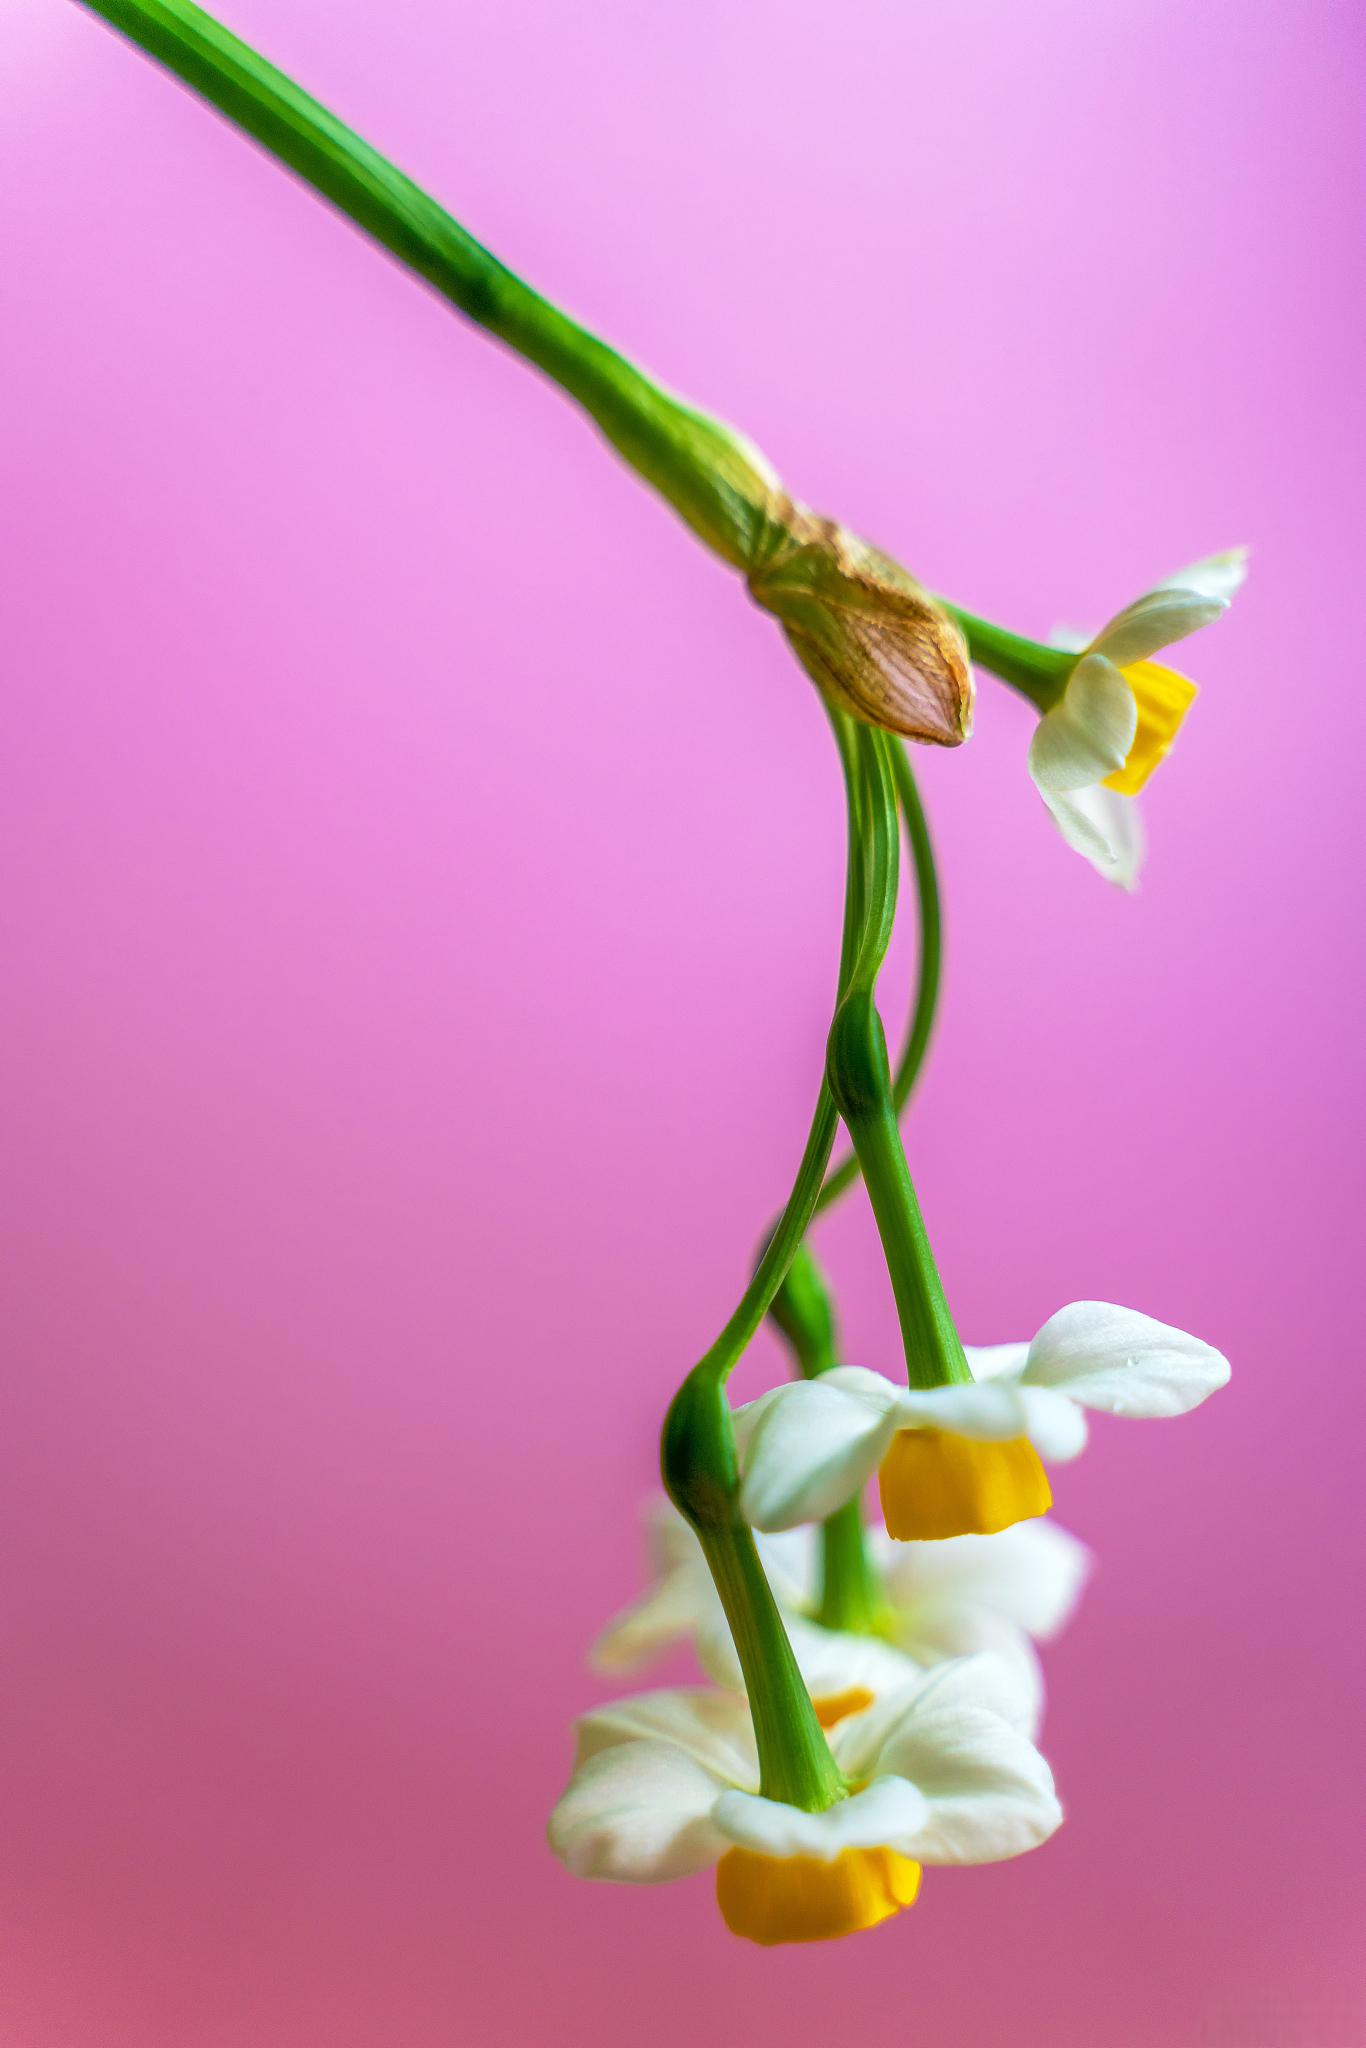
pixel 795 1763
pixel 926 1001
pixel 860 1079
pixel 851 1595
pixel 870 899
pixel 711 475
pixel 697 1450
pixel 1036 671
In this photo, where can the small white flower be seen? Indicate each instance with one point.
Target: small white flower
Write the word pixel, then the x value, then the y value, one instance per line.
pixel 807 1447
pixel 666 1784
pixel 942 1600
pixel 1116 719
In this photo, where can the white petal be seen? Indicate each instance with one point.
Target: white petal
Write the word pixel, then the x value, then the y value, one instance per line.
pixel 996 1685
pixel 814 1447
pixel 713 1728
pixel 1111 839
pixel 1219 575
pixel 791 1560
pixel 747 1417
pixel 669 1541
pixel 716 1652
pixel 1031 1575
pixel 948 1634
pixel 683 1604
pixel 997 1411
pixel 885 1815
pixel 674 1610
pixel 1156 620
pixel 1054 1423
pixel 1089 731
pixel 874 1388
pixel 997 1361
pixel 1122 1362
pixel 992 1413
pixel 1104 827
pixel 990 1792
pixel 865 1744
pixel 640 1813
pixel 968 1632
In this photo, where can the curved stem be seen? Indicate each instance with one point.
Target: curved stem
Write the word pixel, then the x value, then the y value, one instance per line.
pixel 926 1000
pixel 870 879
pixel 697 1449
pixel 861 1082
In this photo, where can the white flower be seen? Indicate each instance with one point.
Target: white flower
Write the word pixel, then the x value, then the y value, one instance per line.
pixel 1117 718
pixel 666 1784
pixel 941 1600
pixel 957 1453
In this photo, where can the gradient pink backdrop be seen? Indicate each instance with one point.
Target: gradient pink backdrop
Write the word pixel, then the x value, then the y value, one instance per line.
pixel 422 881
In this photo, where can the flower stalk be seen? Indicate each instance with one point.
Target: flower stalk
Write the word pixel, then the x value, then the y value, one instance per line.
pixel 861 1083
pixel 868 634
pixel 1037 671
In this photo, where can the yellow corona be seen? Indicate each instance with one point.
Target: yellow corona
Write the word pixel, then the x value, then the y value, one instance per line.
pixel 774 1899
pixel 1163 698
pixel 935 1484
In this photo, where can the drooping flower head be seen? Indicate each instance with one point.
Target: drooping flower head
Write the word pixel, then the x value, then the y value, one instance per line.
pixel 667 1784
pixel 807 1447
pixel 1119 714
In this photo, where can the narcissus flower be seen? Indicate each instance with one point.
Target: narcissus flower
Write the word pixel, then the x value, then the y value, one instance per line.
pixel 962 1460
pixel 1119 713
pixel 666 1785
pixel 939 1600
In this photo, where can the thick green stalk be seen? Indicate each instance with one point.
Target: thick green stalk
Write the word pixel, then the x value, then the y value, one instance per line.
pixel 795 1763
pixel 711 475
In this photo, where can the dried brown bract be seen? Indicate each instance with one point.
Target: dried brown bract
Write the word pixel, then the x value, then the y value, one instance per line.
pixel 865 631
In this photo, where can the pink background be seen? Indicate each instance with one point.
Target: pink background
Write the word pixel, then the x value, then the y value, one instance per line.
pixel 422 887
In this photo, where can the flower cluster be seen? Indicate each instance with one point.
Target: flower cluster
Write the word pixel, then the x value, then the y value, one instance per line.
pixel 875 1697
pixel 940 1770
pixel 875 1700
pixel 934 1706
